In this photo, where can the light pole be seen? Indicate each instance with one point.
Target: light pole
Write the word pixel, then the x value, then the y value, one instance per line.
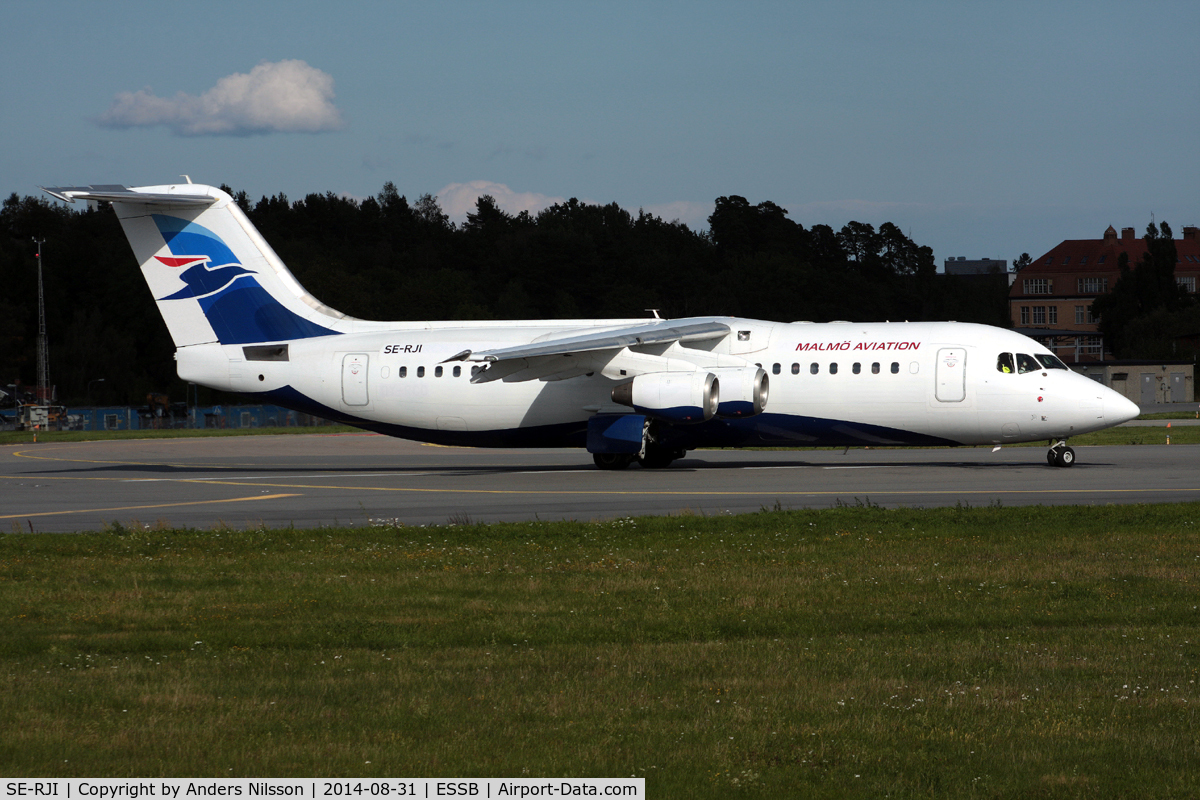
pixel 43 355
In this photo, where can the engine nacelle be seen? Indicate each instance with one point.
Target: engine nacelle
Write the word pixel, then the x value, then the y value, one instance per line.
pixel 744 391
pixel 673 396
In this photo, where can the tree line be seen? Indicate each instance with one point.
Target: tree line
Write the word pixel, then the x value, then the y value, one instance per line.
pixel 388 258
pixel 1148 314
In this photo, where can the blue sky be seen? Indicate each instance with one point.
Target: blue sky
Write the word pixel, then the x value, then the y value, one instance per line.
pixel 981 129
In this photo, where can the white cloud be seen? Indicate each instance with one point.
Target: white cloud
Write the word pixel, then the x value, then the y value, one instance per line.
pixel 285 96
pixel 459 198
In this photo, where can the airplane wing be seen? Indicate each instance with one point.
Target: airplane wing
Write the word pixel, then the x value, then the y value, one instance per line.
pixel 568 356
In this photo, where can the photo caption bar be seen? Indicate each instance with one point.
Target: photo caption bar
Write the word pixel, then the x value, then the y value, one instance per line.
pixel 320 788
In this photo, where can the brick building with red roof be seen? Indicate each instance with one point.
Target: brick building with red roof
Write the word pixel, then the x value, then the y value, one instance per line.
pixel 1051 299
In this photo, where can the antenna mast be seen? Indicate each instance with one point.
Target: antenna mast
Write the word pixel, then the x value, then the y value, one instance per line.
pixel 43 354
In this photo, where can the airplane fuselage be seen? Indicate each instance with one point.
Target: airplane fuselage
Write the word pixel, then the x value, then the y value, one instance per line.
pixel 830 384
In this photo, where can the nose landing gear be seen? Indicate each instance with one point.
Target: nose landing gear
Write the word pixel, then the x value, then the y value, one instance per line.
pixel 1060 455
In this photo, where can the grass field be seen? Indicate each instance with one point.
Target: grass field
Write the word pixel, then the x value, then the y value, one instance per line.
pixel 1190 414
pixel 850 652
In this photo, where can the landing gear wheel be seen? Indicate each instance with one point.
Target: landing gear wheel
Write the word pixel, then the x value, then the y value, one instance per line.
pixel 659 458
pixel 1061 456
pixel 612 460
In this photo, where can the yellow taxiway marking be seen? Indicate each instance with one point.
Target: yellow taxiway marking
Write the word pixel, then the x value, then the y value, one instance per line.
pixel 685 493
pixel 140 508
pixel 874 491
pixel 43 456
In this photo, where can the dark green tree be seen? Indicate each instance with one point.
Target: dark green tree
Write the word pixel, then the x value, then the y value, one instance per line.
pixel 860 243
pixel 429 213
pixel 901 255
pixel 1141 291
pixel 738 227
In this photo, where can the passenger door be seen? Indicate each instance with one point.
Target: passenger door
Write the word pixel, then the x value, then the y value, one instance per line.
pixel 951 375
pixel 354 379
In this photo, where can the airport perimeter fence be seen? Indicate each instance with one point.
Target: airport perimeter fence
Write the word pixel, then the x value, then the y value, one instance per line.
pixel 132 418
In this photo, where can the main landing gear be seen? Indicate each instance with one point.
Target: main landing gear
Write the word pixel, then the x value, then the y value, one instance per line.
pixel 659 457
pixel 656 457
pixel 613 460
pixel 1060 455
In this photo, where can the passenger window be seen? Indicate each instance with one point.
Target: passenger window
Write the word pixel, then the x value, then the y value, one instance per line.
pixel 420 372
pixel 775 368
pixel 895 367
pixel 795 369
pixel 857 367
pixel 814 368
pixel 1026 364
pixel 437 372
pixel 457 371
pixel 1005 363
pixel 875 368
pixel 833 368
pixel 403 373
pixel 913 367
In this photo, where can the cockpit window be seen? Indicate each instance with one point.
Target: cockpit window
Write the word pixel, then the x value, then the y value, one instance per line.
pixel 1027 364
pixel 1005 363
pixel 1051 362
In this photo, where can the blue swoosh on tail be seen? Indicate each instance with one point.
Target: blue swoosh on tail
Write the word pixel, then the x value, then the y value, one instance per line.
pixel 202 281
pixel 237 307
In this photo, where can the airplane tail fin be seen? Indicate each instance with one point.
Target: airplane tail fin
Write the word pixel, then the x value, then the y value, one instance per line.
pixel 213 276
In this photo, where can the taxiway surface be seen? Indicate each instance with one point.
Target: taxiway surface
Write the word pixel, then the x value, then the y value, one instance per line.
pixel 360 479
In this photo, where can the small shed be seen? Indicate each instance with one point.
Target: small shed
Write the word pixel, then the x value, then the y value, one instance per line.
pixel 1145 382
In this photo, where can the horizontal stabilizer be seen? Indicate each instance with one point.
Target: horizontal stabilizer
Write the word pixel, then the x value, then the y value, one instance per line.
pixel 185 194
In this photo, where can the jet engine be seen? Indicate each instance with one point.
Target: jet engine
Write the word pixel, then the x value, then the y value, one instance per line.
pixel 743 391
pixel 672 396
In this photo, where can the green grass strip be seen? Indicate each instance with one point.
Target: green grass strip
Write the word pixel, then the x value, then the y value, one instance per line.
pixel 849 652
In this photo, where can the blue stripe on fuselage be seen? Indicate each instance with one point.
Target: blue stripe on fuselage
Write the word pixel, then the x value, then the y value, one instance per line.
pixel 765 430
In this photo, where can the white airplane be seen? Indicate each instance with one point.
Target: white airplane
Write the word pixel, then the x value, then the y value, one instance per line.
pixel 644 390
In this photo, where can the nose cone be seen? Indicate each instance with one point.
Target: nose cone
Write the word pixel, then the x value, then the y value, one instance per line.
pixel 1118 409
